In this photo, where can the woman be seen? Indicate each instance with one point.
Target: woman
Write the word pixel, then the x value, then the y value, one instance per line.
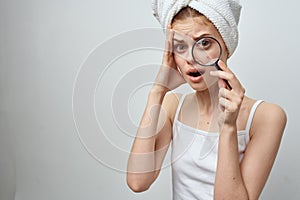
pixel 223 143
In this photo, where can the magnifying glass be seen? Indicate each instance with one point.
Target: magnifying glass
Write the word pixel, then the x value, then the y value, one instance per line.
pixel 206 52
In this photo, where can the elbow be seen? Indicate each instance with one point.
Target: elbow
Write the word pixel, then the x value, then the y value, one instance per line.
pixel 136 185
pixel 137 188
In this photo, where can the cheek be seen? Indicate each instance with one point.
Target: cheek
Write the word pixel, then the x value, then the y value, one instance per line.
pixel 179 60
pixel 224 55
pixel 180 63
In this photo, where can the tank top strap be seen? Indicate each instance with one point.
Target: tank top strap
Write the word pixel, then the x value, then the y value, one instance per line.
pixel 179 106
pixel 251 115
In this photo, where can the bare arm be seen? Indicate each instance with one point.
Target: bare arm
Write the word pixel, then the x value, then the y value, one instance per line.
pixel 150 145
pixel 154 133
pixel 267 128
pixel 229 182
pixel 245 180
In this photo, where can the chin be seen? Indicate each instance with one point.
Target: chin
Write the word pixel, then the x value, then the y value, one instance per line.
pixel 198 87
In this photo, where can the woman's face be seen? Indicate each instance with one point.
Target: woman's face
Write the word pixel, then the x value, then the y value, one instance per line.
pixel 188 31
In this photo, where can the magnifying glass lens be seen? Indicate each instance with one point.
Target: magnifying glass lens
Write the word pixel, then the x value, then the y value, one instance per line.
pixel 206 51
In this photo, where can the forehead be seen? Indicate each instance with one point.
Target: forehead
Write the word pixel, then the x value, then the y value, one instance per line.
pixel 194 27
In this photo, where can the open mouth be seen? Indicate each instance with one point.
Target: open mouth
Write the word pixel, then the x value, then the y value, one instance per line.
pixel 195 73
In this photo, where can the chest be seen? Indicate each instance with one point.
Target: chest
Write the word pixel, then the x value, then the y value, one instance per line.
pixel 200 148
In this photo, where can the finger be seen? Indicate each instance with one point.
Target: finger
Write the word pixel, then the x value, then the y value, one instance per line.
pixel 168 54
pixel 228 105
pixel 230 77
pixel 221 83
pixel 229 95
pixel 223 66
pixel 222 103
pixel 223 93
pixel 221 74
pixel 169 40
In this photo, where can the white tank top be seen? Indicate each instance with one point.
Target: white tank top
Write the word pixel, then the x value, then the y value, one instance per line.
pixel 194 158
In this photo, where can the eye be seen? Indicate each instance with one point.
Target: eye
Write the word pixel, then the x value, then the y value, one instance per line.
pixel 180 48
pixel 204 43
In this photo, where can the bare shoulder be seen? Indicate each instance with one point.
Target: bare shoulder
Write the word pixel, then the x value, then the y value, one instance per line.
pixel 271 113
pixel 170 103
pixel 269 116
pixel 266 132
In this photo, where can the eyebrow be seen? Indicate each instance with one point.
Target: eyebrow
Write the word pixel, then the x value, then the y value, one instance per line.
pixel 201 36
pixel 195 38
pixel 178 40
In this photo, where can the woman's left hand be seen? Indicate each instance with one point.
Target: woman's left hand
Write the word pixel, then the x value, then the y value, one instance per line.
pixel 229 100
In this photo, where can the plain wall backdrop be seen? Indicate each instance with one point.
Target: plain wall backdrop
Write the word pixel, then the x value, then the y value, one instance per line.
pixel 74 77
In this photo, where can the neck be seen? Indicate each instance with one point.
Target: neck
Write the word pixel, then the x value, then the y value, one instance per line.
pixel 208 100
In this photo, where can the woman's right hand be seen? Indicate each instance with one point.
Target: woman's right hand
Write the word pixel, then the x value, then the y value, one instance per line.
pixel 168 77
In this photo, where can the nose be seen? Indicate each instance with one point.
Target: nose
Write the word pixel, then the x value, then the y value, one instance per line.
pixel 190 58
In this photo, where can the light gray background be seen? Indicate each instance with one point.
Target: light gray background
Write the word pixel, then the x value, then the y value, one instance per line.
pixel 43 46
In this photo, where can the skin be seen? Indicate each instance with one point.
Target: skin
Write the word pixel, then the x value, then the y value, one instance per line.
pixel 234 179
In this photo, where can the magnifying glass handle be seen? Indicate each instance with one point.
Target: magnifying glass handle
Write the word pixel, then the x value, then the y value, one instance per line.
pixel 218 68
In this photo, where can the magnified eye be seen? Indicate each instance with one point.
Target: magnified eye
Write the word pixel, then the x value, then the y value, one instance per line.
pixel 206 51
pixel 204 43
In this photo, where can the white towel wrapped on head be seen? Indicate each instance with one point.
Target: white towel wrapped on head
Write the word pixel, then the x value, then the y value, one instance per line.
pixel 224 14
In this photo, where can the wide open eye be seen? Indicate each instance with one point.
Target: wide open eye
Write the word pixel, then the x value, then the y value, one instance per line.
pixel 180 48
pixel 204 43
pixel 206 51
